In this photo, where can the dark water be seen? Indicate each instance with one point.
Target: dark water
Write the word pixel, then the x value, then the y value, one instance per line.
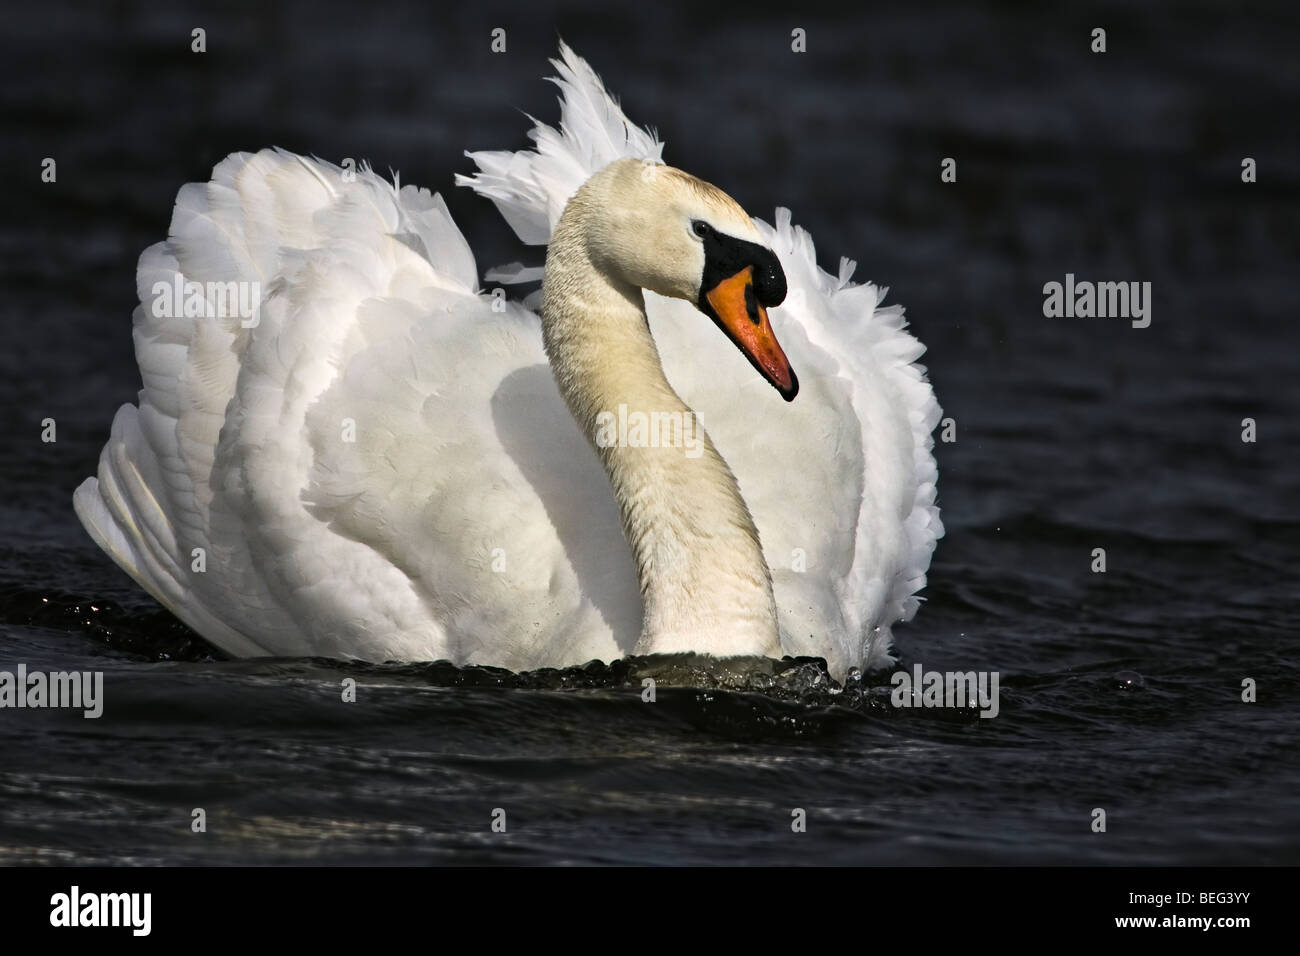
pixel 1119 690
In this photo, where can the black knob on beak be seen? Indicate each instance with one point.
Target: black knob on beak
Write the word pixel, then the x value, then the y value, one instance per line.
pixel 769 280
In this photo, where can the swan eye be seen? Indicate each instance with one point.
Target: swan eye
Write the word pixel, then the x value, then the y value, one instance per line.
pixel 700 228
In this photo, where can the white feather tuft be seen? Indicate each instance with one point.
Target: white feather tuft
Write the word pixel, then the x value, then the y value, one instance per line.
pixel 531 187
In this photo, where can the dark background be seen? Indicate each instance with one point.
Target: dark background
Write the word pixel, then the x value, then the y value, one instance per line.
pixel 1120 690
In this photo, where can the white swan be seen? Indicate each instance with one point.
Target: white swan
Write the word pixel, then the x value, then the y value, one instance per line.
pixel 383 467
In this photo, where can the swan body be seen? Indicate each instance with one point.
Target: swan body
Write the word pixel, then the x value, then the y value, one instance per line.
pixel 392 463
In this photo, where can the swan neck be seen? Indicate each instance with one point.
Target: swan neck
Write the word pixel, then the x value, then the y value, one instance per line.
pixel 705 583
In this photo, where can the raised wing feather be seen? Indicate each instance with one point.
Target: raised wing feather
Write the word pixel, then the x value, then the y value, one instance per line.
pixel 381 466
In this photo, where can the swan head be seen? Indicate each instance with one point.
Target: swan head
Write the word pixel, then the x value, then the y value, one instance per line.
pixel 667 231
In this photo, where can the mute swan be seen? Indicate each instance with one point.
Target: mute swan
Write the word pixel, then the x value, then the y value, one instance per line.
pixel 376 462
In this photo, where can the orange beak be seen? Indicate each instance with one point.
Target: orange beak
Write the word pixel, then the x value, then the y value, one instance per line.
pixel 738 312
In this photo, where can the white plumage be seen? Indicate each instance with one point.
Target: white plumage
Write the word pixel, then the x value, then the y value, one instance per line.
pixel 383 468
